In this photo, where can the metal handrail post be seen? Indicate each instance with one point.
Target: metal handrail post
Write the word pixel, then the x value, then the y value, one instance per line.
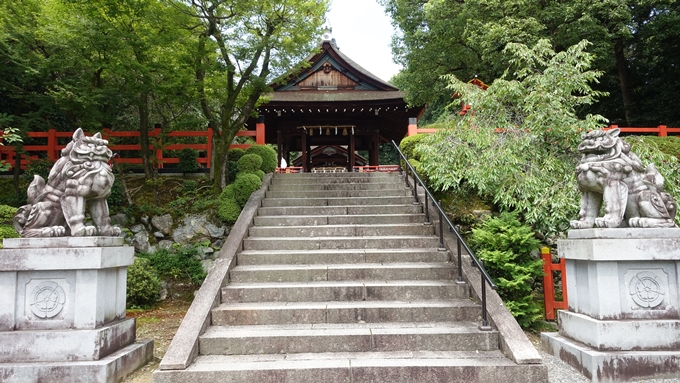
pixel 460 257
pixel 427 209
pixel 415 190
pixel 441 228
pixel 485 322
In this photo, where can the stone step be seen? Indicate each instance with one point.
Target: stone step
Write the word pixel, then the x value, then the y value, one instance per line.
pixel 408 208
pixel 350 337
pixel 343 291
pixel 278 202
pixel 361 367
pixel 343 272
pixel 335 180
pixel 287 257
pixel 270 313
pixel 318 243
pixel 315 220
pixel 389 185
pixel 339 193
pixel 340 230
pixel 346 176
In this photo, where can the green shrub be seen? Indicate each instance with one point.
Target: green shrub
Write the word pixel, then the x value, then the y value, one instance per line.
pixel 189 186
pixel 188 160
pixel 39 167
pixel 505 245
pixel 229 210
pixel 268 154
pixel 143 284
pixel 180 264
pixel 260 174
pixel 7 214
pixel 668 145
pixel 244 186
pixel 235 154
pixel 7 231
pixel 408 146
pixel 249 163
pixel 228 193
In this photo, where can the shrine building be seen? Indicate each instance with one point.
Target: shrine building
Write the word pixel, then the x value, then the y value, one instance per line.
pixel 331 109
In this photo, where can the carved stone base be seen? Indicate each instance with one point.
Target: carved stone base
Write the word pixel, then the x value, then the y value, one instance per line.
pixel 62 311
pixel 623 288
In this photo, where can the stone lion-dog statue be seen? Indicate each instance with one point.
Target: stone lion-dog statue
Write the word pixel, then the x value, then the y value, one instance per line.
pixel 79 181
pixel 610 174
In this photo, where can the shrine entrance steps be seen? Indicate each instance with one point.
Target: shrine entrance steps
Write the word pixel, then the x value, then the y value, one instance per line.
pixel 339 281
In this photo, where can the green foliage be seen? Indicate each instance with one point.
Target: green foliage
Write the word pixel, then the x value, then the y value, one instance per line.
pixel 188 160
pixel 260 174
pixel 505 245
pixel 7 231
pixel 249 163
pixel 235 154
pixel 229 210
pixel 143 284
pixel 468 39
pixel 388 154
pixel 268 154
pixel 9 135
pixel 40 167
pixel 189 186
pixel 408 146
pixel 7 214
pixel 244 186
pixel 182 263
pixel 668 145
pixel 117 198
pixel 518 147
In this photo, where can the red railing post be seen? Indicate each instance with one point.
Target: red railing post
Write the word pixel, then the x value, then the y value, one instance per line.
pixel 412 126
pixel 159 144
pixel 209 148
pixel 549 284
pixel 259 130
pixel 663 132
pixel 52 145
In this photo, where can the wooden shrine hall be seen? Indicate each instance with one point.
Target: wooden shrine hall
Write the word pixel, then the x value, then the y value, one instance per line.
pixel 333 105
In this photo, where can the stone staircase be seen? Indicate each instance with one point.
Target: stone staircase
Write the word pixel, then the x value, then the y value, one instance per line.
pixel 339 280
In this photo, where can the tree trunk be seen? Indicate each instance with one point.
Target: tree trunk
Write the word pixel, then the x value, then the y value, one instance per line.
pixel 622 68
pixel 220 161
pixel 143 107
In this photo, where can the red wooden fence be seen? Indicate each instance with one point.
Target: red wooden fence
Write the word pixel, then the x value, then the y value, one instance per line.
pixel 551 305
pixel 52 149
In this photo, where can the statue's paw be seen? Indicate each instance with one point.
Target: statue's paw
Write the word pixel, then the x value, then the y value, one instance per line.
pixel 580 224
pixel 52 231
pixel 85 231
pixel 110 231
pixel 634 222
pixel 607 223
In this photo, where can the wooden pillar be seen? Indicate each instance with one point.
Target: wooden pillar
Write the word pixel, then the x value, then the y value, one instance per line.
pixel 375 148
pixel 279 148
pixel 303 148
pixel 351 149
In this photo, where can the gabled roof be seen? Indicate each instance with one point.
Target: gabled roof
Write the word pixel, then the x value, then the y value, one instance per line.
pixel 330 70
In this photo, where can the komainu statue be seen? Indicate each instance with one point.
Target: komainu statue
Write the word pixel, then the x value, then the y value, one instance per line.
pixel 610 174
pixel 80 180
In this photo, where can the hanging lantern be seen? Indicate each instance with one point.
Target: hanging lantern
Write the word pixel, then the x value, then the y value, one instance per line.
pixel 336 130
pixel 311 132
pixel 320 131
pixel 344 131
pixel 328 131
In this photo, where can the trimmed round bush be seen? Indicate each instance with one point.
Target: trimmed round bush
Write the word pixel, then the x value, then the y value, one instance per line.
pixel 227 193
pixel 408 145
pixel 249 163
pixel 260 174
pixel 244 186
pixel 268 155
pixel 143 284
pixel 229 210
pixel 235 154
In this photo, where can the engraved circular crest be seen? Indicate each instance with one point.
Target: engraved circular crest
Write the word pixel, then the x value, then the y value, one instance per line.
pixel 645 290
pixel 48 300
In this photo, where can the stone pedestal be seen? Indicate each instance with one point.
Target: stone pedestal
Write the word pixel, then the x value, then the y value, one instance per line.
pixel 62 311
pixel 623 321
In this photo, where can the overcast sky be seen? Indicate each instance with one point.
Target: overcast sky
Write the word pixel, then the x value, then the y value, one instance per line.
pixel 363 32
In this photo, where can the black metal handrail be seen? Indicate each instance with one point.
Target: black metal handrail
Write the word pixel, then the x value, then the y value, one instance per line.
pixel 455 229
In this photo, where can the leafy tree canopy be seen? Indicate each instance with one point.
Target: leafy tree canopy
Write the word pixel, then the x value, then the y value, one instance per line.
pixel 518 146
